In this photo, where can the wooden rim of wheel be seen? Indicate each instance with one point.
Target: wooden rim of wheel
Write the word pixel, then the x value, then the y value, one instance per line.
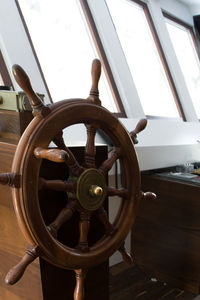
pixel 40 133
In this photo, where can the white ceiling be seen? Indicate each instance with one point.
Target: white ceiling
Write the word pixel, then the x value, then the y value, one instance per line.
pixel 191 2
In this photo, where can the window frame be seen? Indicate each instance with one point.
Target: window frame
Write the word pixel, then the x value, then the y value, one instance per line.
pixel 101 52
pixel 33 49
pixel 99 47
pixel 188 27
pixel 161 136
pixel 163 62
pixel 184 24
pixel 4 72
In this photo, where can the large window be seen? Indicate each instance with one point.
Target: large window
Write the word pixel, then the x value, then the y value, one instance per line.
pixel 183 42
pixel 144 57
pixel 4 75
pixel 64 48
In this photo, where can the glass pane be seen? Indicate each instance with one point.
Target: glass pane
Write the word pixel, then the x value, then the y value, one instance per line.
pixel 188 60
pixel 64 48
pixel 143 58
pixel 1 80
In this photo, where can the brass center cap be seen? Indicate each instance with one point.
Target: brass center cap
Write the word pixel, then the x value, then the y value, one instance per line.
pixel 91 189
pixel 95 190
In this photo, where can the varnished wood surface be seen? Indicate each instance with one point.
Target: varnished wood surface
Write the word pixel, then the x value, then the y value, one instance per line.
pixel 12 243
pixel 166 236
pixel 132 283
pixel 13 124
pixel 49 121
pixel 59 283
pixel 55 282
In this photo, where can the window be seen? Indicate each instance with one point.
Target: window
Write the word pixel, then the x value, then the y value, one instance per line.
pixel 145 58
pixel 184 46
pixel 4 75
pixel 64 48
pixel 1 80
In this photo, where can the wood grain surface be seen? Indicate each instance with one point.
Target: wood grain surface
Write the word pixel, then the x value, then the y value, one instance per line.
pixel 166 236
pixel 13 124
pixel 12 242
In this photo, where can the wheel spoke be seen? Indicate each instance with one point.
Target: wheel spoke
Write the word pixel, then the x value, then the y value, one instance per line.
pixel 107 164
pixel 57 185
pixel 141 125
pixel 90 150
pixel 72 163
pixel 65 214
pixel 18 270
pixel 84 226
pixel 103 217
pixel 117 192
pixel 60 156
pixel 24 82
pixel 55 155
pixel 95 72
pixel 79 289
pixel 11 179
pixel 127 257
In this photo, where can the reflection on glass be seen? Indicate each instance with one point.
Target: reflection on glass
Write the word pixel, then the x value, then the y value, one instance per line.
pixel 188 60
pixel 64 48
pixel 143 58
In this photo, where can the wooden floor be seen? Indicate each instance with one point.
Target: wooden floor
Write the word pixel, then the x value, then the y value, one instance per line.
pixel 131 283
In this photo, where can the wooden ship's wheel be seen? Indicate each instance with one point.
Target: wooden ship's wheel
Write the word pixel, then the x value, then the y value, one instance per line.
pixel 86 187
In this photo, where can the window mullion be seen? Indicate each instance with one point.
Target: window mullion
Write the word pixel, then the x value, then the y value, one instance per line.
pixel 116 58
pixel 172 62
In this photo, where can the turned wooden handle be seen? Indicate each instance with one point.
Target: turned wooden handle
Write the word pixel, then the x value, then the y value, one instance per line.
pixel 141 125
pixel 55 155
pixel 17 271
pixel 24 82
pixel 149 196
pixel 11 179
pixel 79 289
pixel 96 73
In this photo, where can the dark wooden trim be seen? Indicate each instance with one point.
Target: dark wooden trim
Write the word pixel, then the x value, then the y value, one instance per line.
pixel 33 49
pixel 177 20
pixel 162 57
pixel 95 35
pixel 4 72
pixel 187 26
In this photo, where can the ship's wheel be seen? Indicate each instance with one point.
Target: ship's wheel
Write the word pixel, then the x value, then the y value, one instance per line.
pixel 86 187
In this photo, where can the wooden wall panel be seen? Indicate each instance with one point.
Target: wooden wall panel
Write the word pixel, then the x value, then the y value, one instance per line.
pixel 13 245
pixel 12 242
pixel 166 234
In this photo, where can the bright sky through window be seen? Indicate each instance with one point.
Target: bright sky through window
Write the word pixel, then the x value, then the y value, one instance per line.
pixel 188 60
pixel 143 59
pixel 64 49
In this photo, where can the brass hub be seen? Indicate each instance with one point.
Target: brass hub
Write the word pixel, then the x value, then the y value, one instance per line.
pixel 95 190
pixel 91 189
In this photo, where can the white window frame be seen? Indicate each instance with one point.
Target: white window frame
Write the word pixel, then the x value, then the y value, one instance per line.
pixel 161 136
